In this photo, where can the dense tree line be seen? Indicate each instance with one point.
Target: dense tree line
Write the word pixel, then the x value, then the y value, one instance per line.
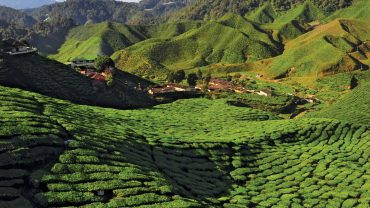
pixel 210 9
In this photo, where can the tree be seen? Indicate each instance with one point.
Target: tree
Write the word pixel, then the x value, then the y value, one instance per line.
pixel 208 77
pixel 199 74
pixel 102 62
pixel 179 76
pixel 192 79
pixel 171 77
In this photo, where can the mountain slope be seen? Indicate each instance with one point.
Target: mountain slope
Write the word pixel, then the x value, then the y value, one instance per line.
pixel 294 22
pixel 329 48
pixel 264 14
pixel 20 4
pixel 205 10
pixel 15 17
pixel 33 72
pixel 105 38
pixel 185 154
pixel 82 11
pixel 226 41
pixel 359 10
pixel 353 108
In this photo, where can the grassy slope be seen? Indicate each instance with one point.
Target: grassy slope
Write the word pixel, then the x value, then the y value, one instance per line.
pixel 264 14
pixel 292 23
pixel 324 50
pixel 186 154
pixel 230 40
pixel 105 38
pixel 354 107
pixel 49 77
pixel 90 41
pixel 359 10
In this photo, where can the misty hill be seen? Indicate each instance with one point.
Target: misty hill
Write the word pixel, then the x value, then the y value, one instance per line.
pixel 204 10
pixel 21 4
pixel 16 18
pixel 82 11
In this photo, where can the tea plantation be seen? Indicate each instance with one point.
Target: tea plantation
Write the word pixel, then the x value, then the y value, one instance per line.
pixel 190 153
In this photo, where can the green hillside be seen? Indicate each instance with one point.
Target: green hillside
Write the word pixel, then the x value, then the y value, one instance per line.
pixel 354 107
pixel 329 48
pixel 205 10
pixel 264 14
pixel 293 23
pixel 230 40
pixel 186 154
pixel 91 40
pixel 36 73
pixel 359 10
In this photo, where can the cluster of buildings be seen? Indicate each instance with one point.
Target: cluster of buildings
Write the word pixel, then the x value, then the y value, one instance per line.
pixel 172 88
pixel 86 68
pixel 103 76
pixel 14 47
pixel 214 85
pixel 223 85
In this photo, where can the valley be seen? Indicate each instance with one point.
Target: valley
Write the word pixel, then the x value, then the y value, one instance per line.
pixel 185 104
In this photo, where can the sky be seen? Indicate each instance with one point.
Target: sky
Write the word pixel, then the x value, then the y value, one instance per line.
pixel 26 4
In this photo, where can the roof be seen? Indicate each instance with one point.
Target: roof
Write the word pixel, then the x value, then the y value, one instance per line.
pixel 14 43
pixel 97 76
pixel 175 85
pixel 267 91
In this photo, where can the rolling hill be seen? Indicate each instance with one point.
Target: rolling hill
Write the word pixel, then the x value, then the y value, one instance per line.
pixel 15 17
pixel 204 10
pixel 185 154
pixel 329 48
pixel 232 39
pixel 358 100
pixel 359 10
pixel 264 14
pixel 67 141
pixel 105 38
pixel 292 23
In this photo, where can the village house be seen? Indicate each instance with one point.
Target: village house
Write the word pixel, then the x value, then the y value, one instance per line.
pixel 241 90
pixel 81 64
pixel 219 84
pixel 14 47
pixel 265 92
pixel 171 87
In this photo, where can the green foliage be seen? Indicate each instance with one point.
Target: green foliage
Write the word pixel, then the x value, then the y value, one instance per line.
pixel 103 62
pixel 185 154
pixel 342 109
pixel 359 10
pixel 192 79
pixel 214 42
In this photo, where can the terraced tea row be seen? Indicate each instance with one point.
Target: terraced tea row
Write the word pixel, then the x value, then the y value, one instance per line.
pixel 30 141
pixel 190 153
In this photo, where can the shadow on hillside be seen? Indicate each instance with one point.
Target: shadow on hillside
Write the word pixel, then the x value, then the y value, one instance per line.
pixel 190 172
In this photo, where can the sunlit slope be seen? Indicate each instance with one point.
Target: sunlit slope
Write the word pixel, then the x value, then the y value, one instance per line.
pixel 89 41
pixel 354 107
pixel 186 154
pixel 264 14
pixel 292 23
pixel 329 48
pixel 359 10
pixel 92 40
pixel 232 40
